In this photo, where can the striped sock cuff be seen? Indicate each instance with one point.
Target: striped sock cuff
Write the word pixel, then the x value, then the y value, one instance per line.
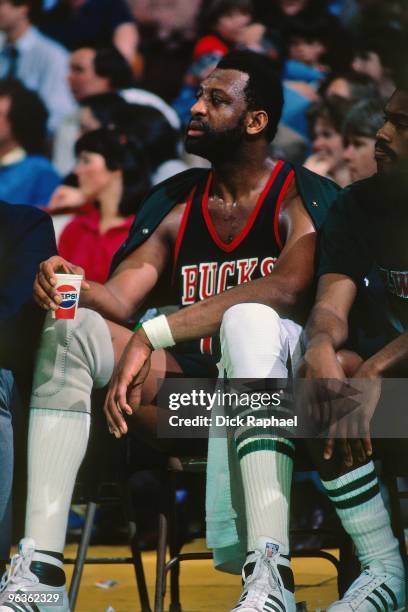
pixel 251 444
pixel 354 488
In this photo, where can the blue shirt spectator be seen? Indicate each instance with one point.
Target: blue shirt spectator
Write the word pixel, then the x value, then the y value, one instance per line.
pixel 27 179
pixel 38 62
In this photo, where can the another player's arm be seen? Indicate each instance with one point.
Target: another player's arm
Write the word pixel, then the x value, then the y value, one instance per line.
pixel 126 290
pixel 283 289
pixel 327 328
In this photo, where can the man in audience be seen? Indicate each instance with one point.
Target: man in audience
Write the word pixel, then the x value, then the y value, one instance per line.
pixel 36 60
pixel 96 71
pixel 365 231
pixel 26 175
pixel 26 237
pixel 247 219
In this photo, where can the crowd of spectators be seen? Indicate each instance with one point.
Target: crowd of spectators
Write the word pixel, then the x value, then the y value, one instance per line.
pixel 95 96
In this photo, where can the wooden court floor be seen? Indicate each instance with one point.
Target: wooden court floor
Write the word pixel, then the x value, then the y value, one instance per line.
pixel 202 588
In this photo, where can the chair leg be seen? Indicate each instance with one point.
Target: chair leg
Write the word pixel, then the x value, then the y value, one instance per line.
pixel 81 555
pixel 175 545
pixel 160 589
pixel 138 566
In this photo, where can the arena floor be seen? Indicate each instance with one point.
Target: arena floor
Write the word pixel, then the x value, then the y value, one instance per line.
pixel 202 588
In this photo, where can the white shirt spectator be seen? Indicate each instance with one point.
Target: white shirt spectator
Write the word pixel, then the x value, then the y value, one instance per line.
pixel 41 65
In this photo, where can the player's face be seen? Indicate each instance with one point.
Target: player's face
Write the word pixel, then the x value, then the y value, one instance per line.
pixel 217 125
pixel 359 157
pixel 391 147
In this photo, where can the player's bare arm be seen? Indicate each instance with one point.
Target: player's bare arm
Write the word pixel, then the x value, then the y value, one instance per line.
pixel 290 279
pixel 132 281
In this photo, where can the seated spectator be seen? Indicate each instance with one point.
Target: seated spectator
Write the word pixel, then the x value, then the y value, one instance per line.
pixel 350 85
pixel 36 60
pixel 225 24
pixel 26 237
pixel 326 122
pixel 378 56
pixel 159 139
pixel 112 175
pixel 98 71
pixel 26 175
pixel 359 133
pixel 95 22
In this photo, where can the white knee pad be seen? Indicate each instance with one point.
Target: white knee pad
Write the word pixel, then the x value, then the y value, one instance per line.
pixel 254 342
pixel 73 357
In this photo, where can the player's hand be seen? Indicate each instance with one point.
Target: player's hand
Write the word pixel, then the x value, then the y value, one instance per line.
pixel 66 197
pixel 318 366
pixel 127 380
pixel 44 292
pixel 351 415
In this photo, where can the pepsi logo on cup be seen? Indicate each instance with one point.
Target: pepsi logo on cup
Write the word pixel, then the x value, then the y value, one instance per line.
pixel 67 307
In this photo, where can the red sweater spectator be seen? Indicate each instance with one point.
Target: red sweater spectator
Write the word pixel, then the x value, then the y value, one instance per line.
pixel 83 242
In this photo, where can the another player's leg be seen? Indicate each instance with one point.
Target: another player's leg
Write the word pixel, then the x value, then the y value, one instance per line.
pixel 255 344
pixel 73 357
pixel 356 496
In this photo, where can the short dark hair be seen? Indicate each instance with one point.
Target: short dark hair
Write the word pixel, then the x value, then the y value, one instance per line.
pixel 109 62
pixel 108 108
pixel 333 110
pixel 263 90
pixel 387 42
pixel 27 115
pixel 364 119
pixel 212 10
pixel 120 153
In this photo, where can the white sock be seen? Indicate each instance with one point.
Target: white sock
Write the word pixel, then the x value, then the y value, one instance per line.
pixel 73 356
pixel 256 343
pixel 57 444
pixel 360 507
pixel 266 469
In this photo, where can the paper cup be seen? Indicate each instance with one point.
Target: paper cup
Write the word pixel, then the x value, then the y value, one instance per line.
pixel 69 286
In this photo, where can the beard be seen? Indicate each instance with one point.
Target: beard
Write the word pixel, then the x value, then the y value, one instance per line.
pixel 216 145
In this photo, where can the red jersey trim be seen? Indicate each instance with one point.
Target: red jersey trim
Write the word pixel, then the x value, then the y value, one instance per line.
pixel 228 248
pixel 182 229
pixel 283 191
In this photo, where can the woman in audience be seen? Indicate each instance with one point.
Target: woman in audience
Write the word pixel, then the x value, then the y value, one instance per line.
pixel 326 122
pixel 113 176
pixel 359 133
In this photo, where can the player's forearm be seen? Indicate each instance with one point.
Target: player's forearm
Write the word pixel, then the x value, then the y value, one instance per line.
pixel 325 327
pixel 392 356
pixel 100 298
pixel 204 318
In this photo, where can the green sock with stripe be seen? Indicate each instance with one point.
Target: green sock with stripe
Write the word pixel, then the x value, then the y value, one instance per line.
pixel 266 465
pixel 360 507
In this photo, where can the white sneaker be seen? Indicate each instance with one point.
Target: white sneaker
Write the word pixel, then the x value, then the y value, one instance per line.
pixel 268 581
pixel 375 590
pixel 21 590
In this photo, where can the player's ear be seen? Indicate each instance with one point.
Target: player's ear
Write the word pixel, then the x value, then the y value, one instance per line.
pixel 256 122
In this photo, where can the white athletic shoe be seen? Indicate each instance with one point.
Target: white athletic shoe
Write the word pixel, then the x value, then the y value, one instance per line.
pixel 268 581
pixel 374 590
pixel 21 590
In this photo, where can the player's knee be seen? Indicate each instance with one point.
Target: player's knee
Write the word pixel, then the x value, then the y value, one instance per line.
pixel 248 318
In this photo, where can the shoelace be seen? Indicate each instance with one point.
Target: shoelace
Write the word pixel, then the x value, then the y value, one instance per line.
pixel 19 568
pixel 361 583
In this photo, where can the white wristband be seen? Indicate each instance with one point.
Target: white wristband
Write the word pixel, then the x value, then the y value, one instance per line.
pixel 158 332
